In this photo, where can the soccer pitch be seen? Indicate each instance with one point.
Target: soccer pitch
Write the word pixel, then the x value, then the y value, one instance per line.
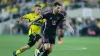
pixel 72 46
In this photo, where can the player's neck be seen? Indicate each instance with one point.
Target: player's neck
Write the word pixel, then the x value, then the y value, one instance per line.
pixel 54 12
pixel 36 13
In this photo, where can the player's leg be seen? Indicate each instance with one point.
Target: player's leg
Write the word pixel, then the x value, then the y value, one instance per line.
pixel 61 33
pixel 58 33
pixel 39 48
pixel 40 40
pixel 60 36
pixel 45 46
pixel 39 44
pixel 31 42
pixel 19 51
pixel 48 51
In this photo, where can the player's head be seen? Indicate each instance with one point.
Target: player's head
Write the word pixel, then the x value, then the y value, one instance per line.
pixel 37 9
pixel 57 7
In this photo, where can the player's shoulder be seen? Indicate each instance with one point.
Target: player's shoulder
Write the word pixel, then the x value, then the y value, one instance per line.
pixel 28 14
pixel 63 13
pixel 60 14
pixel 49 11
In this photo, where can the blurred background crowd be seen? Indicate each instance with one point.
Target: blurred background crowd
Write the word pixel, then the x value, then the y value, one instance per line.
pixel 83 15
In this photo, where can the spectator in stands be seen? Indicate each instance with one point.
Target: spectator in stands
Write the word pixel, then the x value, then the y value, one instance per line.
pixel 92 29
pixel 88 21
pixel 4 15
pixel 13 10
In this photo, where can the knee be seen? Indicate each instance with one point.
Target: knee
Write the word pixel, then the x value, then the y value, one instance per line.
pixel 51 48
pixel 46 47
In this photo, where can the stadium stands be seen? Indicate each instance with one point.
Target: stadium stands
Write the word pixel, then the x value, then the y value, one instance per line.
pixel 11 10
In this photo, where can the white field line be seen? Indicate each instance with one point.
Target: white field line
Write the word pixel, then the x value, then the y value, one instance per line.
pixel 82 48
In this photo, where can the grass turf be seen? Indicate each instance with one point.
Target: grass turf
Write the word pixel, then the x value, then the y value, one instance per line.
pixel 72 46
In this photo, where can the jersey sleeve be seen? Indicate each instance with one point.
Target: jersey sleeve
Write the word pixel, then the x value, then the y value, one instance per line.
pixel 62 17
pixel 45 16
pixel 27 16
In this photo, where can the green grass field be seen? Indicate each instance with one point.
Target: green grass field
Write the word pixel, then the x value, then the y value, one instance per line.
pixel 72 46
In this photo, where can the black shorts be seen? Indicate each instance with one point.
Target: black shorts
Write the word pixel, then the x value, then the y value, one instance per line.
pixel 48 39
pixel 33 39
pixel 61 26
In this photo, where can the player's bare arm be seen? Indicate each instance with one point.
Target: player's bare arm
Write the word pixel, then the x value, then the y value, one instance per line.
pixel 21 20
pixel 71 28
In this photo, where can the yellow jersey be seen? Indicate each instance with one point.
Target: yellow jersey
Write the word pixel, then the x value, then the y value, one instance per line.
pixel 34 28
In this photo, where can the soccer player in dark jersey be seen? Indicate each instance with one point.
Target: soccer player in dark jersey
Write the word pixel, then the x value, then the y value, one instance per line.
pixel 61 28
pixel 49 33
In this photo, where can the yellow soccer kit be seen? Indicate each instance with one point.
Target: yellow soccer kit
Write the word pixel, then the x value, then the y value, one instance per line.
pixel 34 28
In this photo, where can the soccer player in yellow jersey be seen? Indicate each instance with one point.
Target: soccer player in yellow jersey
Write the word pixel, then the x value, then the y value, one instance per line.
pixel 34 30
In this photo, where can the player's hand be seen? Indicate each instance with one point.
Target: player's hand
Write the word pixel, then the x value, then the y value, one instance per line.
pixel 72 30
pixel 28 24
pixel 20 22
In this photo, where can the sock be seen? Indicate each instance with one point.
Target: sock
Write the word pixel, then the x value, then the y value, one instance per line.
pixel 18 52
pixel 62 35
pixel 59 38
pixel 41 49
pixel 36 50
pixel 46 53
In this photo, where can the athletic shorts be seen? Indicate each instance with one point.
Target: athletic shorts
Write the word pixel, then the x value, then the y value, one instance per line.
pixel 33 39
pixel 61 26
pixel 48 39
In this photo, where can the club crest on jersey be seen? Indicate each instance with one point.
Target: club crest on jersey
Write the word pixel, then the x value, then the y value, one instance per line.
pixel 51 18
pixel 54 22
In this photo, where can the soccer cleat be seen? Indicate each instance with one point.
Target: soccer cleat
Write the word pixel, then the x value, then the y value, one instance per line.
pixel 14 53
pixel 61 41
pixel 37 52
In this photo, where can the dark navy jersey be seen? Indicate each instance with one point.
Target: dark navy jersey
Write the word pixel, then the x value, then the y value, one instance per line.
pixel 62 22
pixel 52 21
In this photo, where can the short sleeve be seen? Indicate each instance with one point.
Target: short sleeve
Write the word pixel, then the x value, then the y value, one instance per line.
pixel 45 16
pixel 62 17
pixel 27 16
